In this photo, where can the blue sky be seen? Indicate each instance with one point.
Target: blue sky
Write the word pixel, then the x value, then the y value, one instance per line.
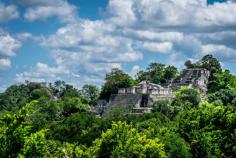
pixel 80 41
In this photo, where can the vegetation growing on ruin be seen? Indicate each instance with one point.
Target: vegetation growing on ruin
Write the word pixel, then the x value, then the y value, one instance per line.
pixel 55 121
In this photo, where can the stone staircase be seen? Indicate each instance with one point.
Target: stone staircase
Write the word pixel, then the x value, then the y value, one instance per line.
pixel 187 76
pixel 125 99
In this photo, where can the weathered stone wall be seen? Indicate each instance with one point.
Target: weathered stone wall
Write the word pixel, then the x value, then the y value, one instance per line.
pixel 125 99
pixel 196 78
pixel 142 96
pixel 154 97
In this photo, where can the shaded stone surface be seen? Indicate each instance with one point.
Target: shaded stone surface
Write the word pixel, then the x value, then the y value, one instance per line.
pixel 196 78
pixel 142 96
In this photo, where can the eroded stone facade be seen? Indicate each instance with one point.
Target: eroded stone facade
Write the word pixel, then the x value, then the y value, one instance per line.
pixel 152 92
pixel 196 78
pixel 142 96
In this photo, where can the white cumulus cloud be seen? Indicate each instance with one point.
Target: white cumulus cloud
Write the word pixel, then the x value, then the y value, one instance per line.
pixel 42 72
pixel 163 47
pixel 41 10
pixel 5 64
pixel 8 48
pixel 8 12
pixel 8 45
pixel 129 29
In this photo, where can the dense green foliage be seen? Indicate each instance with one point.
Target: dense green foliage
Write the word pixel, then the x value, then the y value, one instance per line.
pixel 55 120
pixel 222 80
pixel 113 81
pixel 157 73
pixel 210 130
pixel 90 93
pixel 207 62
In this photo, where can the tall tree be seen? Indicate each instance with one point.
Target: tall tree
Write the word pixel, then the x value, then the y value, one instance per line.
pixel 207 62
pixel 210 130
pixel 90 93
pixel 223 96
pixel 115 80
pixel 188 64
pixel 184 99
pixel 222 80
pixel 170 72
pixel 16 95
pixel 122 140
pixel 210 63
pixel 157 73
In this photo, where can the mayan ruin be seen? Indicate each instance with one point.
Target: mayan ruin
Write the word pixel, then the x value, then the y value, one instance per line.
pixel 142 96
pixel 118 78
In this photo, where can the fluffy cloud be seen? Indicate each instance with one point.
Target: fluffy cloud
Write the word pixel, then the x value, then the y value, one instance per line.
pixel 8 12
pixel 180 29
pixel 41 10
pixel 164 47
pixel 83 64
pixel 8 45
pixel 217 15
pixel 91 48
pixel 93 41
pixel 226 38
pixel 5 64
pixel 154 23
pixel 120 12
pixel 46 70
pixel 189 46
pixel 148 35
pixel 42 72
pixel 224 53
pixel 172 13
pixel 135 69
pixel 23 36
pixel 81 33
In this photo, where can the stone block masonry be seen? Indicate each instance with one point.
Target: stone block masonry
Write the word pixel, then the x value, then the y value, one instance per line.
pixel 143 95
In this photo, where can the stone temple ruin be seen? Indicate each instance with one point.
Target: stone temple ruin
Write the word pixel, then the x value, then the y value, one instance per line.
pixel 196 78
pixel 142 96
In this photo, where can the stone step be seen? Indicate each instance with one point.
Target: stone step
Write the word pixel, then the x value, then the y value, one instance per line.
pixel 125 99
